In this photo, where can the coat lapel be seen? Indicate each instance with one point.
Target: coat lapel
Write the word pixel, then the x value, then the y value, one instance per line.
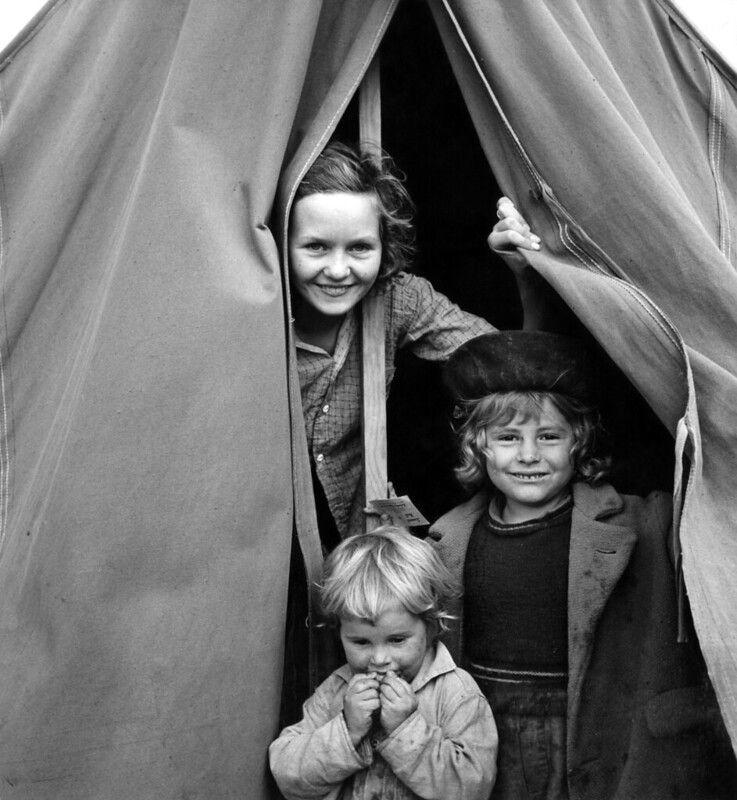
pixel 599 554
pixel 450 536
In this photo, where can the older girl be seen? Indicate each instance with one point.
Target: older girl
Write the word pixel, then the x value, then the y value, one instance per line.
pixel 350 234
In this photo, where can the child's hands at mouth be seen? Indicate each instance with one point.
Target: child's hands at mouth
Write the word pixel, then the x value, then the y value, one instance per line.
pixel 398 701
pixel 360 701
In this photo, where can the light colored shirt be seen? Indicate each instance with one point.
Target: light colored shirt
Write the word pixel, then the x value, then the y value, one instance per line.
pixel 445 749
pixel 416 317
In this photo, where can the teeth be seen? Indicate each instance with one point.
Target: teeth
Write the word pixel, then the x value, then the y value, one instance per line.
pixel 335 291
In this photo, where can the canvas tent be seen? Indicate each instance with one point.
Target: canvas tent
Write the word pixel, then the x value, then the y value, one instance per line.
pixel 152 460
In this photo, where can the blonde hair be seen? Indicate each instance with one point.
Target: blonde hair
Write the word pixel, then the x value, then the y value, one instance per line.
pixel 367 572
pixel 500 408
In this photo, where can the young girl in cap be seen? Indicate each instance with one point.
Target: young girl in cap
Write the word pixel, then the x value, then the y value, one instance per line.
pixel 569 617
pixel 399 719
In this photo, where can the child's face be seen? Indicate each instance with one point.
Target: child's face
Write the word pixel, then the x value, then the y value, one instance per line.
pixel 529 462
pixel 334 250
pixel 397 641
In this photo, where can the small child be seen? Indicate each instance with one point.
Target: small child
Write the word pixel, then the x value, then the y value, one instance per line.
pixel 351 233
pixel 569 614
pixel 399 719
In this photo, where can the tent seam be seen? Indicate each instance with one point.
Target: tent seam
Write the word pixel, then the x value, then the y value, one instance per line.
pixel 580 254
pixel 4 445
pixel 716 154
pixel 700 41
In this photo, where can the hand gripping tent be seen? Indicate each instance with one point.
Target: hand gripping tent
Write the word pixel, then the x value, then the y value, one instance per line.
pixel 152 457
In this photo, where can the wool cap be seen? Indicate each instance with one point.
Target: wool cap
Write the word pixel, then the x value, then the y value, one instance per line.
pixel 508 361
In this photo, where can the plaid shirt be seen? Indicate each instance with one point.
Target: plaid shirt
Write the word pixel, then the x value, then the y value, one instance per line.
pixel 417 317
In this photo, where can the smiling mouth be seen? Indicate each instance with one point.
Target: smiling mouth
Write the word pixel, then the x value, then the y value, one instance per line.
pixel 529 477
pixel 334 291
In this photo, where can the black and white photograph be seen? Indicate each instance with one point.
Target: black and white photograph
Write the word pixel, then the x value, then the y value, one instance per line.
pixel 368 400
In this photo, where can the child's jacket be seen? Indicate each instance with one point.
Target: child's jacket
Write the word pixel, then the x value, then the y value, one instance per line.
pixel 445 750
pixel 643 723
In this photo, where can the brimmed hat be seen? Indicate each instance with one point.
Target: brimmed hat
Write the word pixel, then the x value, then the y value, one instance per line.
pixel 509 361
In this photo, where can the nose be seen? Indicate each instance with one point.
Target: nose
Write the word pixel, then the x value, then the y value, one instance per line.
pixel 529 452
pixel 337 267
pixel 380 658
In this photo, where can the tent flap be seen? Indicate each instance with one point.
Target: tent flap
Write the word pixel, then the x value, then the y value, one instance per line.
pixel 617 141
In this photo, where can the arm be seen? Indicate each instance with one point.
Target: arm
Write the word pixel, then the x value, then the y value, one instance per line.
pixel 427 322
pixel 313 758
pixel 457 759
pixel 510 238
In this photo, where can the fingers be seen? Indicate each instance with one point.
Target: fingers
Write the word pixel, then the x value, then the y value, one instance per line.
pixel 510 233
pixel 398 701
pixel 393 686
pixel 512 230
pixel 364 681
pixel 506 208
pixel 363 684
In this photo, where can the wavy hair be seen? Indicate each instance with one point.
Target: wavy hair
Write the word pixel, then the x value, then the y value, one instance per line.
pixel 343 168
pixel 500 408
pixel 368 572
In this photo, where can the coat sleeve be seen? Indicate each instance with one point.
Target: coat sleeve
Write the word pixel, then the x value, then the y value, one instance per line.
pixel 456 760
pixel 313 758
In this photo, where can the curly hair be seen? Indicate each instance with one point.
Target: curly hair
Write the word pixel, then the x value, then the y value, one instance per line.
pixel 344 168
pixel 368 572
pixel 500 408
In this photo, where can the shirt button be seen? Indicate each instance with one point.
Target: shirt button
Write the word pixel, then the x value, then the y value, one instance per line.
pixel 326 408
pixel 319 458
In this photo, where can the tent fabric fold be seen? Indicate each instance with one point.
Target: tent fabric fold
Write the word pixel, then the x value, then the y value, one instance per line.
pixel 153 463
pixel 147 462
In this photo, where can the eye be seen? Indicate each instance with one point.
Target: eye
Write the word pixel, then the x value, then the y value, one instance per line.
pixel 358 642
pixel 551 436
pixel 314 247
pixel 361 248
pixel 505 437
pixel 397 639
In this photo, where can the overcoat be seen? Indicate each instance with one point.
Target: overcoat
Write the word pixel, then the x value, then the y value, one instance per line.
pixel 642 719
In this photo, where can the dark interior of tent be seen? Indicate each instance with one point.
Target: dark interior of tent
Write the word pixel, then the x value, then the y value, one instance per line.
pixel 427 129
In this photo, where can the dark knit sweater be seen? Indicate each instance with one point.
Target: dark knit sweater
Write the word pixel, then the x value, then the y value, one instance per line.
pixel 516 586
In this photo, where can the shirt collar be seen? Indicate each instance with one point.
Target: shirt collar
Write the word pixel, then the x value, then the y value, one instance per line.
pixel 346 333
pixel 437 662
